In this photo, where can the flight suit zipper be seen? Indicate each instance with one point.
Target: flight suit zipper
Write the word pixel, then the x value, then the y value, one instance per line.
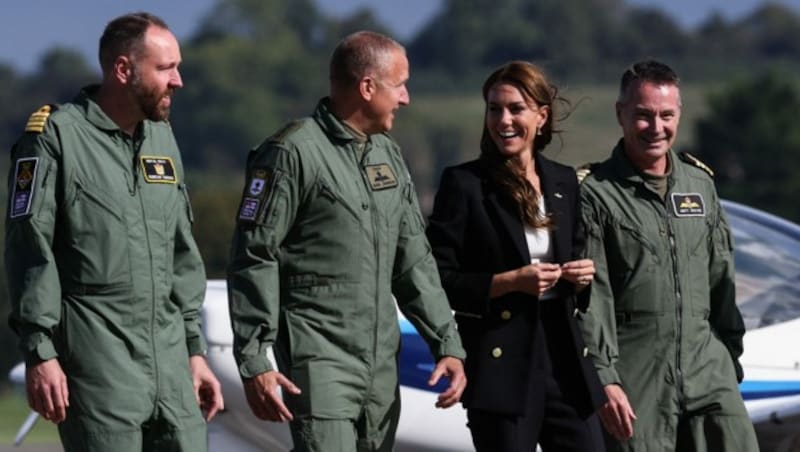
pixel 375 245
pixel 136 147
pixel 678 303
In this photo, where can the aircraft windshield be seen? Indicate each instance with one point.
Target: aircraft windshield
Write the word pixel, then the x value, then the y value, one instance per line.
pixel 767 254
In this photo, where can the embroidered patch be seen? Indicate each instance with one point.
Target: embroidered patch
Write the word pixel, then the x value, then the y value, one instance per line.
pixel 258 181
pixel 688 205
pixel 257 190
pixel 158 170
pixel 249 209
pixel 24 185
pixel 381 176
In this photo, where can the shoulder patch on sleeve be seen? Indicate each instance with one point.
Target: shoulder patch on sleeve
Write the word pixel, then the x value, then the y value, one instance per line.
pixel 259 185
pixel 38 119
pixel 285 131
pixel 692 160
pixel 25 170
pixel 583 171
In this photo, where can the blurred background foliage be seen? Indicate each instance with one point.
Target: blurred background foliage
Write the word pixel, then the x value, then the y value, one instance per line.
pixel 251 65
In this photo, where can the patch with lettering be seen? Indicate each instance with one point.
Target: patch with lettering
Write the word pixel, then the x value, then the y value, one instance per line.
pixel 257 190
pixel 688 205
pixel 24 184
pixel 158 170
pixel 249 209
pixel 381 176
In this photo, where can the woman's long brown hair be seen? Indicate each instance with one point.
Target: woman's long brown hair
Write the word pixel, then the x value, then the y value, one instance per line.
pixel 507 173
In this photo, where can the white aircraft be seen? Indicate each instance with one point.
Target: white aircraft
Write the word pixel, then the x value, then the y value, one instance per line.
pixel 768 269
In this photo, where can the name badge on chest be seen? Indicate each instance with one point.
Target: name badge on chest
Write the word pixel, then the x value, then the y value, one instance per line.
pixel 688 205
pixel 381 176
pixel 158 170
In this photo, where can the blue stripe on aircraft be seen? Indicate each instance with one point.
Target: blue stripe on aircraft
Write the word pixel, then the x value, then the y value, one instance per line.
pixel 406 327
pixel 416 361
pixel 416 364
pixel 763 389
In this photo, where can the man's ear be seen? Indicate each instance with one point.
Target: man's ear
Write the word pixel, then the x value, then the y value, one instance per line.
pixel 367 87
pixel 618 107
pixel 122 69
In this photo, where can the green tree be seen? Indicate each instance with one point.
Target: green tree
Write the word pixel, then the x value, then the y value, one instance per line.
pixel 750 138
pixel 252 65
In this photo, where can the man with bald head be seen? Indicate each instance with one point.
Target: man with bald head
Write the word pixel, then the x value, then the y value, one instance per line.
pixel 106 281
pixel 329 234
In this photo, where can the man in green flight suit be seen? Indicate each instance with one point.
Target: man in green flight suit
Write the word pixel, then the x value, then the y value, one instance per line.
pixel 663 328
pixel 106 281
pixel 329 228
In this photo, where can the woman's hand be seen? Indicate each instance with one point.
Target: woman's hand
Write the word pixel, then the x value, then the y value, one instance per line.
pixel 537 278
pixel 579 272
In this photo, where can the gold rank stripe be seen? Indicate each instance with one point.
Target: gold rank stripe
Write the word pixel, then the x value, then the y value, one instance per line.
pixel 38 119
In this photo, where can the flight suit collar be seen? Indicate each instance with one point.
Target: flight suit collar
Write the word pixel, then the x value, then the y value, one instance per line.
pixel 97 117
pixel 626 171
pixel 329 123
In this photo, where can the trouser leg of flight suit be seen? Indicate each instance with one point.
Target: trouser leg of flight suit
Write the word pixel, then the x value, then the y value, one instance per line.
pixel 717 433
pixel 719 426
pixel 162 432
pixel 373 431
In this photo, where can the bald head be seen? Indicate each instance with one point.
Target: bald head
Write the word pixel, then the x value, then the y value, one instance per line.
pixel 361 54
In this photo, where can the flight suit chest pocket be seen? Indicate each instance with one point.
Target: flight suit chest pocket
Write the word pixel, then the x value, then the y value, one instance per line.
pixel 629 249
pixel 97 236
pixel 337 207
pixel 633 259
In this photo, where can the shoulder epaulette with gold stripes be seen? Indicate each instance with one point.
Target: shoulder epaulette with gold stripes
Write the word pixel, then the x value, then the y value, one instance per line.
pixel 38 119
pixel 692 160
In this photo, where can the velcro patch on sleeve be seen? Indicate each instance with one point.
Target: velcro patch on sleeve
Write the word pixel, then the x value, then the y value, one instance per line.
pixel 381 176
pixel 158 170
pixel 24 186
pixel 257 190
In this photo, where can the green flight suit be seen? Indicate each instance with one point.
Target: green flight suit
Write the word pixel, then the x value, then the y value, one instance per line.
pixel 105 276
pixel 663 321
pixel 329 228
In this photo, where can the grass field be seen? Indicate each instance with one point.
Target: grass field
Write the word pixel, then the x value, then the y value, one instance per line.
pixel 13 411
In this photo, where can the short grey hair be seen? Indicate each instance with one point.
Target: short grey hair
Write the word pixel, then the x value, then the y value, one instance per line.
pixel 361 54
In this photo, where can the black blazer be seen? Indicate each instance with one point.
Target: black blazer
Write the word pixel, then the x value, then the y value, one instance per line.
pixel 475 231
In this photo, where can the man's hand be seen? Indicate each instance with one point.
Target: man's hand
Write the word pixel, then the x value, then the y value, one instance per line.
pixel 46 386
pixel 617 414
pixel 207 389
pixel 453 368
pixel 263 398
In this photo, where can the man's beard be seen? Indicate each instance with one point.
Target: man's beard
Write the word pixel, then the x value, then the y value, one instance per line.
pixel 149 99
